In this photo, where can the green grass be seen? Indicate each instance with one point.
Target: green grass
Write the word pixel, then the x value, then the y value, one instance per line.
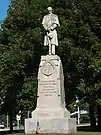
pixel 78 133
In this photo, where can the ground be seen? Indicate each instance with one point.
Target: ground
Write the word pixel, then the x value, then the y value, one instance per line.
pixel 78 133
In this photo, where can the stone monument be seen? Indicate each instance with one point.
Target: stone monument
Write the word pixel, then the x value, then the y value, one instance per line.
pixel 50 22
pixel 50 115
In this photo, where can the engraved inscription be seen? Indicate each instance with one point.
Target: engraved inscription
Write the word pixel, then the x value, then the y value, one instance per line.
pixel 48 88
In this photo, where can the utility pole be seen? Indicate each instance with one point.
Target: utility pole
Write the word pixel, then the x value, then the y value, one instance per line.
pixel 78 111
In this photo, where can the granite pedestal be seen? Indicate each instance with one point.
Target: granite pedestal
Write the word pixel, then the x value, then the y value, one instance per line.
pixel 50 113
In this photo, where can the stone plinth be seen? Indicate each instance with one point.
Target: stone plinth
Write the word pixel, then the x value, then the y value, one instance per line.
pixel 51 125
pixel 50 112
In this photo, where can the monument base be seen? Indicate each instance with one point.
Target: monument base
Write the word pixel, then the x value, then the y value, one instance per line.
pixel 50 113
pixel 50 125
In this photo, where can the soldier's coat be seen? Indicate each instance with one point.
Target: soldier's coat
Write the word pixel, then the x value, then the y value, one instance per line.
pixel 48 22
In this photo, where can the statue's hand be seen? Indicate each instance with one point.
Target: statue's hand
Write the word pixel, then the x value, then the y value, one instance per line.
pixel 48 30
pixel 51 28
pixel 50 36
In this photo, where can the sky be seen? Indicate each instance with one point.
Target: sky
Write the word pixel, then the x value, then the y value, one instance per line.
pixel 4 5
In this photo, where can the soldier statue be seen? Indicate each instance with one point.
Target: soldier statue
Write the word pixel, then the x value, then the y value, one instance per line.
pixel 50 22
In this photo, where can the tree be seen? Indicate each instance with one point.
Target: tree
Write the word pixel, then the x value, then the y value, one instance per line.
pixel 79 48
pixel 21 47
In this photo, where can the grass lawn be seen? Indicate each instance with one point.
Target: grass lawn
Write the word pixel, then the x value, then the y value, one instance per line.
pixel 78 133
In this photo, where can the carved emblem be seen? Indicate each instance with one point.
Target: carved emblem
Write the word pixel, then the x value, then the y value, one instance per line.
pixel 47 69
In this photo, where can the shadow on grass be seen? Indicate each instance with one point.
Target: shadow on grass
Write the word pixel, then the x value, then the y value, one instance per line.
pixel 14 132
pixel 89 129
pixel 81 128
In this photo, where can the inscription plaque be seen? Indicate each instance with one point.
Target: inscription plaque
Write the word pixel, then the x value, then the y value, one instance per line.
pixel 48 88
